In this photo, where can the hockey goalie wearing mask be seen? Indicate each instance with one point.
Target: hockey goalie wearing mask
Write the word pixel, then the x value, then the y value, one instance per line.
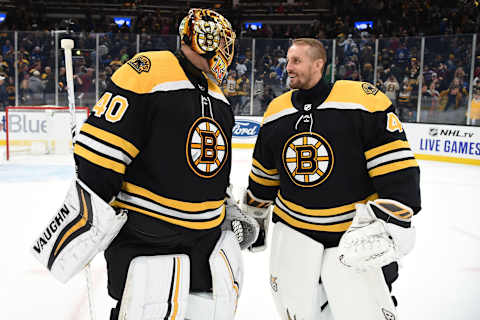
pixel 154 161
pixel 333 164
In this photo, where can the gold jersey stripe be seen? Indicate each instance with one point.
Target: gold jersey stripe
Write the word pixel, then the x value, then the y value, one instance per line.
pixel 187 224
pixel 339 227
pixel 270 172
pixel 99 160
pixel 324 212
pixel 264 182
pixel 345 91
pixel 394 145
pixel 111 139
pixel 175 204
pixel 392 167
pixel 279 104
pixel 164 68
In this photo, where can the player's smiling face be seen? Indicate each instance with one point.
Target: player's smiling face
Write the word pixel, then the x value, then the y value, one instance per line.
pixel 301 67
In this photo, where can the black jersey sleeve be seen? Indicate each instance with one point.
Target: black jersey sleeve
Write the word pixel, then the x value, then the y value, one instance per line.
pixel 264 179
pixel 111 138
pixel 390 161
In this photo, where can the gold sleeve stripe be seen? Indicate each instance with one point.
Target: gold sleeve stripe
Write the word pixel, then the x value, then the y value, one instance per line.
pixel 339 227
pixel 175 204
pixel 187 224
pixel 270 172
pixel 392 167
pixel 99 160
pixel 394 145
pixel 264 182
pixel 111 138
pixel 324 212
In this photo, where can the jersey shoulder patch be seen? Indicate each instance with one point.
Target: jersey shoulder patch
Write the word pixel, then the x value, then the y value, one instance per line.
pixel 280 106
pixel 347 94
pixel 152 71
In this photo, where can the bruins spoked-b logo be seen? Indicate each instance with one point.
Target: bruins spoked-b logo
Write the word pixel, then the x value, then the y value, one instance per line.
pixel 369 88
pixel 140 64
pixel 308 159
pixel 207 148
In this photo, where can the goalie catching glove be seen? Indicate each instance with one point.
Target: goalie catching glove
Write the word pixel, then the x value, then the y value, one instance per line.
pixel 82 227
pixel 380 233
pixel 245 228
pixel 261 211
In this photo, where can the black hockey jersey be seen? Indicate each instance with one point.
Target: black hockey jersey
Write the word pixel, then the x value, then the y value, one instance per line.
pixel 158 142
pixel 320 152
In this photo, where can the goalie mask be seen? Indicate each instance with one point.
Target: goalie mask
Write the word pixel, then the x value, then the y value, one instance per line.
pixel 210 35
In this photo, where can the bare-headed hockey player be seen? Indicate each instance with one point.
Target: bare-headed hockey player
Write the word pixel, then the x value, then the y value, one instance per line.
pixel 335 167
pixel 157 149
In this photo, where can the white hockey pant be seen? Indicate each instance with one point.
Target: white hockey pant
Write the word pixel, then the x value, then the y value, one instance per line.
pixel 297 263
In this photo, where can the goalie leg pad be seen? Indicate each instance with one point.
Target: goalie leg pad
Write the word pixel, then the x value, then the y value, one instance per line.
pixel 82 227
pixel 157 287
pixel 295 265
pixel 226 265
pixel 355 295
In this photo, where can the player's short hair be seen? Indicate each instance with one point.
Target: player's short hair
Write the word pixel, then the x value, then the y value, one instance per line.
pixel 317 50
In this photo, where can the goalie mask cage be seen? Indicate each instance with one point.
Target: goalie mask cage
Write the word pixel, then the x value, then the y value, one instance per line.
pixel 32 130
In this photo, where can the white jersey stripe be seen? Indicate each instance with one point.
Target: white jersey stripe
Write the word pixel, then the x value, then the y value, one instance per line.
pixel 260 173
pixel 315 220
pixel 103 149
pixel 342 106
pixel 399 155
pixel 173 85
pixel 168 211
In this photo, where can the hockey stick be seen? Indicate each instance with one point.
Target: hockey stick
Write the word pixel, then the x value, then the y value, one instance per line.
pixel 67 45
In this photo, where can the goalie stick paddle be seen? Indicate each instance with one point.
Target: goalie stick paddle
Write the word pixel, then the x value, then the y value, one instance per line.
pixel 67 46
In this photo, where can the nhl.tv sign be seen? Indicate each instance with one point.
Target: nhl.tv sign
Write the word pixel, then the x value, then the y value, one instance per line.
pixel 246 129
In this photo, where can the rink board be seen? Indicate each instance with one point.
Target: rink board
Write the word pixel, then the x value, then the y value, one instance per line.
pixel 438 142
pixel 451 143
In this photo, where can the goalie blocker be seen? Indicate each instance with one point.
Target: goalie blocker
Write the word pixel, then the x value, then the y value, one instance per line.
pixel 82 227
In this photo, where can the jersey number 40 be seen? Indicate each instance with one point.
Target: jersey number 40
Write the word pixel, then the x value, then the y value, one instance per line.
pixel 115 107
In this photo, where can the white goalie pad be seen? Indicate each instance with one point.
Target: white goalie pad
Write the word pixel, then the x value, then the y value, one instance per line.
pixel 355 295
pixel 82 227
pixel 157 287
pixel 226 265
pixel 295 266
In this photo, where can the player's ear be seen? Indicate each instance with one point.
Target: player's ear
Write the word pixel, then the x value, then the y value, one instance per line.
pixel 319 63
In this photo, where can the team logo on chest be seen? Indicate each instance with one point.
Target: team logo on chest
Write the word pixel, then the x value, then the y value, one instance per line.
pixel 308 159
pixel 207 147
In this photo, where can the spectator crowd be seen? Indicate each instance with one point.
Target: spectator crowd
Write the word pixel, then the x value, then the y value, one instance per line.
pixel 395 68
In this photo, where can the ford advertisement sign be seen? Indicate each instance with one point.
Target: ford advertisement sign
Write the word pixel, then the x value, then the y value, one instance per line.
pixel 246 128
